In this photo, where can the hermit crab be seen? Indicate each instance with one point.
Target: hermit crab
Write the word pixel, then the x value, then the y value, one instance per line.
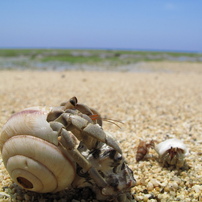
pixel 48 149
pixel 172 152
pixel 143 149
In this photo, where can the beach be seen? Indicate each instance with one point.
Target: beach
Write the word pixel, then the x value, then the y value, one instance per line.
pixel 162 103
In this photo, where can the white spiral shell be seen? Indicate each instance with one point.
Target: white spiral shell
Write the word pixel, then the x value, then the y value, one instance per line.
pixel 31 155
pixel 164 146
pixel 172 152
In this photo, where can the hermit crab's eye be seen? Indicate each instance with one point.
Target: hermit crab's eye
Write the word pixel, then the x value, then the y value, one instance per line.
pixel 73 101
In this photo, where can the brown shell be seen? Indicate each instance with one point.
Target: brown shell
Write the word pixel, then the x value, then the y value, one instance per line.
pixel 143 149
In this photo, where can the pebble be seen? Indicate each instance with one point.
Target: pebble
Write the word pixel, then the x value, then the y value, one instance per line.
pixel 173 185
pixel 4 195
pixel 155 182
pixel 150 186
pixel 176 179
pixel 197 188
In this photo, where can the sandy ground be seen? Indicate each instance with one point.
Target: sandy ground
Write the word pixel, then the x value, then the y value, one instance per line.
pixel 154 105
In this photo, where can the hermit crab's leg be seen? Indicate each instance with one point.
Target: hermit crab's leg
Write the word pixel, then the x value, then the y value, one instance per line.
pixel 173 157
pixel 180 159
pixel 108 185
pixel 90 112
pixel 98 116
pixel 67 146
pixel 164 159
pixel 180 163
pixel 84 109
pixel 87 130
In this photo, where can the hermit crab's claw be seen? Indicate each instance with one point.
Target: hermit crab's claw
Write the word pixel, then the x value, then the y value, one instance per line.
pixel 57 111
pixel 54 113
pixel 92 113
pixel 70 104
pixel 84 109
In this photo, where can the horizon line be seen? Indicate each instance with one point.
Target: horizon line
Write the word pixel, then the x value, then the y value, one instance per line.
pixel 111 49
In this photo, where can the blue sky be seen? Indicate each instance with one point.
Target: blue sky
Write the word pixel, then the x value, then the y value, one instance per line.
pixel 111 24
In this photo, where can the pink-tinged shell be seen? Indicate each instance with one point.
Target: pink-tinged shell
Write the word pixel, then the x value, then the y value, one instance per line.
pixel 30 121
pixel 31 153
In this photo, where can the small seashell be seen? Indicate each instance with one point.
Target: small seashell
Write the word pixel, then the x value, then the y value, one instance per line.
pixel 143 149
pixel 30 152
pixel 172 152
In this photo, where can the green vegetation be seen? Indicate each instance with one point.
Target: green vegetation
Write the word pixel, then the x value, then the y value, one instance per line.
pixel 16 57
